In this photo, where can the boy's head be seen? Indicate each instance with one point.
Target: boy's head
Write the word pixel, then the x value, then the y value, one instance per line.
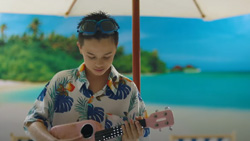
pixel 97 42
pixel 97 25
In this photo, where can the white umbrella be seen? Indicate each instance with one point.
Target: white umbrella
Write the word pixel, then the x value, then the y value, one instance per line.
pixel 205 9
pixel 210 9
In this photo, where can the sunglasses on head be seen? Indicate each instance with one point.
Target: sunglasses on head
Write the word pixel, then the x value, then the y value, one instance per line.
pixel 90 27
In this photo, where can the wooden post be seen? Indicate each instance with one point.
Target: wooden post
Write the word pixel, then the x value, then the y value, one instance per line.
pixel 136 43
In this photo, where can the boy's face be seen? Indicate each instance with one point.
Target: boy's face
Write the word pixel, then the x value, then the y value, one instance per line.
pixel 98 54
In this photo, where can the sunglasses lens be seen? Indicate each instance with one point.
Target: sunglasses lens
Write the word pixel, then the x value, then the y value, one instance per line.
pixel 108 26
pixel 89 26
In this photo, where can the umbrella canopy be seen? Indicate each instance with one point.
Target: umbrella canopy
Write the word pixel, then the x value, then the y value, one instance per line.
pixel 205 9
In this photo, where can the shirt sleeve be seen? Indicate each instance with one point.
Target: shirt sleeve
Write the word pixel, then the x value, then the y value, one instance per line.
pixel 42 110
pixel 137 108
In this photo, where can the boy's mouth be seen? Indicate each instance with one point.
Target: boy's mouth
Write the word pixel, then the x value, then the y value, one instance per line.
pixel 99 70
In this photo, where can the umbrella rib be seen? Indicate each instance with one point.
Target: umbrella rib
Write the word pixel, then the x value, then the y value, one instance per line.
pixel 70 8
pixel 199 9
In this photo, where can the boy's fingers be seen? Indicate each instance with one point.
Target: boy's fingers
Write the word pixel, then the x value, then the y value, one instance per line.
pixel 139 128
pixel 124 132
pixel 133 129
pixel 128 130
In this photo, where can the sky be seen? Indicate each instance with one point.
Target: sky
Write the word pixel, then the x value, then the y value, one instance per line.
pixel 220 45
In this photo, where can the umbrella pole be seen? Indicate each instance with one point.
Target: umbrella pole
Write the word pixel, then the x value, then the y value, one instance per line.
pixel 136 43
pixel 70 8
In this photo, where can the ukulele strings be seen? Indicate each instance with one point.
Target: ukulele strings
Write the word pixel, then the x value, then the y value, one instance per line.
pixel 109 131
pixel 115 131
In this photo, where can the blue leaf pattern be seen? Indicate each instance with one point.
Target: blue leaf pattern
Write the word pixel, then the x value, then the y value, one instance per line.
pixel 139 96
pixel 95 113
pixel 86 92
pixel 146 132
pixel 43 93
pixel 110 93
pixel 41 118
pixel 125 117
pixel 122 92
pixel 108 124
pixel 63 103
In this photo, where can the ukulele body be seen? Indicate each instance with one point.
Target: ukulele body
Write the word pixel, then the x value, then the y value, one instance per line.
pixel 77 131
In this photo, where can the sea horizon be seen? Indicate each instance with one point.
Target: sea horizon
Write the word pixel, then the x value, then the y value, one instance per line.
pixel 208 90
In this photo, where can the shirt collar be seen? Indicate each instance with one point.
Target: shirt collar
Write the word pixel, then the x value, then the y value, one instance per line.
pixel 114 77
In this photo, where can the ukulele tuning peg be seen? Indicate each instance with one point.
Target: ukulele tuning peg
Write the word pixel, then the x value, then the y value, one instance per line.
pixel 170 128
pixel 167 108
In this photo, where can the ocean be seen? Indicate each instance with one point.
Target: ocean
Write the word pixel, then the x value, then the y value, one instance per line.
pixel 212 90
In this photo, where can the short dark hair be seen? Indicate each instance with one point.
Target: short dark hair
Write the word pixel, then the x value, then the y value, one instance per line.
pixel 98 35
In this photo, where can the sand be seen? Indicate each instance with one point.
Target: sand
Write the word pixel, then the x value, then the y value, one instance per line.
pixel 205 121
pixel 8 85
pixel 188 120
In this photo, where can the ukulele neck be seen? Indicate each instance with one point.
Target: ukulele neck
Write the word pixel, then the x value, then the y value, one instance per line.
pixel 113 132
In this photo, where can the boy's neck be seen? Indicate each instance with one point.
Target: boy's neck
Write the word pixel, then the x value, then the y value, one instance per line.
pixel 97 82
pixel 92 77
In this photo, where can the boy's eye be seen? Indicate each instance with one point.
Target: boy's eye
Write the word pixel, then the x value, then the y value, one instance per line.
pixel 106 57
pixel 91 57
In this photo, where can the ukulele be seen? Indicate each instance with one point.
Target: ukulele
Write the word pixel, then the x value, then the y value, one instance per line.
pixel 90 130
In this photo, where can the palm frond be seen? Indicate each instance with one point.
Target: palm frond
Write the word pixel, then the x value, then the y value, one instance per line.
pixel 133 102
pixel 141 110
pixel 82 108
pixel 50 110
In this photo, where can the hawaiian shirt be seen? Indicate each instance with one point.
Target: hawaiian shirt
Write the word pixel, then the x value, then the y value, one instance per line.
pixel 66 99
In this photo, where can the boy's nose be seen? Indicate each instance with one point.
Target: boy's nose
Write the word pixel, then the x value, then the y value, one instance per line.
pixel 99 63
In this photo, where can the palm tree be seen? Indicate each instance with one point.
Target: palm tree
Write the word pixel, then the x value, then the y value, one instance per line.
pixel 34 26
pixel 3 28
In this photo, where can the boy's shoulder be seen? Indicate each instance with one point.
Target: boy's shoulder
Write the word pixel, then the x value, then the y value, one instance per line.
pixel 127 80
pixel 65 74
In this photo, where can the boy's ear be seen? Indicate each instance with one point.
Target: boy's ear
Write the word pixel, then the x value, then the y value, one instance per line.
pixel 79 47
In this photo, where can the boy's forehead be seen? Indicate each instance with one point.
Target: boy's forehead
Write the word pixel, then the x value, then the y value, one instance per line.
pixel 94 45
pixel 102 41
pixel 102 51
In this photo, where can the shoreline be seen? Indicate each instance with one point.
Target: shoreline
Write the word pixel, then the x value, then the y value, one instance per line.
pixel 10 85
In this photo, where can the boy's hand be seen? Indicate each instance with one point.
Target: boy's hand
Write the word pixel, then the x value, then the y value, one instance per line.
pixel 132 131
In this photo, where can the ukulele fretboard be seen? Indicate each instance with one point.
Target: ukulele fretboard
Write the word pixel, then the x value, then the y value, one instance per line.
pixel 108 133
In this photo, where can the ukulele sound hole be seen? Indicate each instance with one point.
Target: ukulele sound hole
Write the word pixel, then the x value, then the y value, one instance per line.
pixel 87 131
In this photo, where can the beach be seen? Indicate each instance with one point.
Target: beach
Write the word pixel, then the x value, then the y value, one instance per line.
pixel 188 120
pixel 9 85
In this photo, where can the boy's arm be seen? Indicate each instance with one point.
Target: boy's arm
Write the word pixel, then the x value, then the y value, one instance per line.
pixel 39 132
pixel 138 111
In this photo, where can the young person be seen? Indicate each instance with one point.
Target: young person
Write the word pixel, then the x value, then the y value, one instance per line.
pixel 93 91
